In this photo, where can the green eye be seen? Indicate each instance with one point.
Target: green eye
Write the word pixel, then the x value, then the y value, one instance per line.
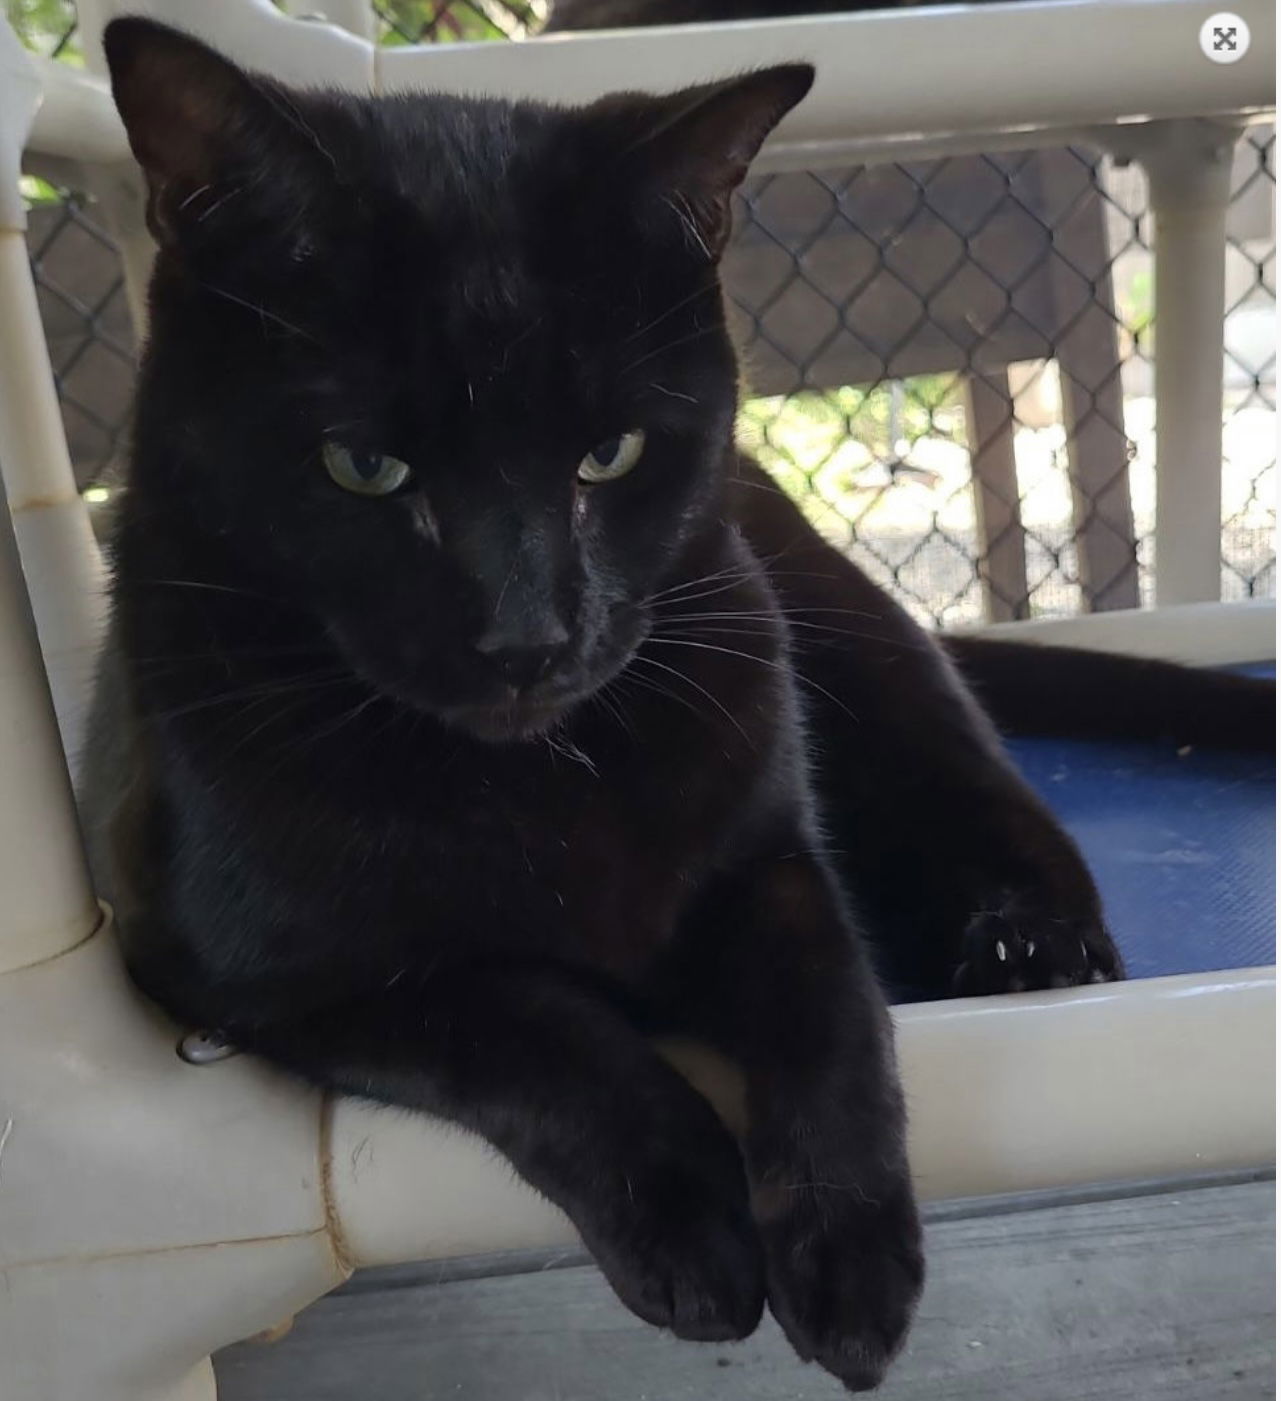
pixel 367 473
pixel 613 458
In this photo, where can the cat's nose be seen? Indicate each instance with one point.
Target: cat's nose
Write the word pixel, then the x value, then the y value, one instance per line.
pixel 525 653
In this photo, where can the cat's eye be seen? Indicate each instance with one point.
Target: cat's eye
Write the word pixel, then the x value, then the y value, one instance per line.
pixel 367 473
pixel 613 458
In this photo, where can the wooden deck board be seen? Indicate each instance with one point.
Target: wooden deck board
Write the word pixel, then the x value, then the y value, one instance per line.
pixel 1165 1296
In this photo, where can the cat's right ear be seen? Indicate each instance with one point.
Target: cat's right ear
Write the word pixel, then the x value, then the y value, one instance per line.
pixel 692 148
pixel 190 114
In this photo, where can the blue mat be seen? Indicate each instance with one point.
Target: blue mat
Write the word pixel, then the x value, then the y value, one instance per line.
pixel 1182 846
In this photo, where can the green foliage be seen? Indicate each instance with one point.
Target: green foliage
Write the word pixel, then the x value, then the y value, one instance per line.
pixel 1137 301
pixel 451 21
pixel 35 191
pixel 1136 308
pixel 838 431
pixel 46 26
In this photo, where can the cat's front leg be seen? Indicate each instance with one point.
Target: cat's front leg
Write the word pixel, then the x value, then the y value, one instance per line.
pixel 972 885
pixel 773 975
pixel 583 1107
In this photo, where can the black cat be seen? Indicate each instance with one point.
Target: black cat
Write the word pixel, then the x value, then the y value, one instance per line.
pixel 453 735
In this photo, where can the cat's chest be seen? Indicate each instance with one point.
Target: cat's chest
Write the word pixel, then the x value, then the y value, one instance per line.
pixel 588 859
pixel 373 858
pixel 587 863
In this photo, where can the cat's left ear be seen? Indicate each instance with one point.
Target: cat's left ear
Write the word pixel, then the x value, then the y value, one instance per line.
pixel 695 146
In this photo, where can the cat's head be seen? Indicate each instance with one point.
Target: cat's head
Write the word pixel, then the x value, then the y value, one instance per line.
pixel 450 374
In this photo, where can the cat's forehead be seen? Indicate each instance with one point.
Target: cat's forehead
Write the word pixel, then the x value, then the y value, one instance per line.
pixel 463 184
pixel 487 243
pixel 484 203
pixel 470 156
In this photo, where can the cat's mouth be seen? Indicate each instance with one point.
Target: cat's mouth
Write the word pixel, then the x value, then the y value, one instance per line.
pixel 483 706
pixel 526 713
pixel 517 718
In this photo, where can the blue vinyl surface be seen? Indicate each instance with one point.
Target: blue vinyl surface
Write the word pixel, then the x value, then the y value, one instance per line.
pixel 1182 846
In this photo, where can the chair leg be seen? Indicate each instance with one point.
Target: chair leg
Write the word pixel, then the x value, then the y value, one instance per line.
pixel 157 1210
pixel 1002 560
pixel 59 555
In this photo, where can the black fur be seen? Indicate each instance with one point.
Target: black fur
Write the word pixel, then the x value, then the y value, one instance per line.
pixel 457 798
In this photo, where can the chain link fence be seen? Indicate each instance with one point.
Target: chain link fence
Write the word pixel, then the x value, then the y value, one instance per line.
pixel 445 21
pixel 950 361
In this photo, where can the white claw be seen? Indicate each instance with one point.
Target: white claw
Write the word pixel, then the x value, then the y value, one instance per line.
pixel 1030 947
pixel 1002 952
pixel 205 1047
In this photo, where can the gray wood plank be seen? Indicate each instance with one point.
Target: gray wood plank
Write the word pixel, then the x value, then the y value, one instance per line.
pixel 1088 354
pixel 1002 561
pixel 1167 1296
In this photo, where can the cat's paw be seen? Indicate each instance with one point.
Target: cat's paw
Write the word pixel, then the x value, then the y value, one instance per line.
pixel 845 1274
pixel 683 1254
pixel 1022 945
